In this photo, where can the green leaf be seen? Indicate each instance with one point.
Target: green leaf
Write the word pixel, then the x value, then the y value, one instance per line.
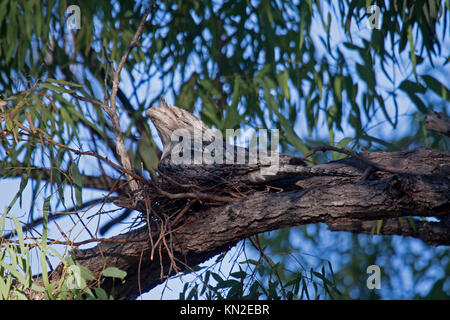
pixel 412 87
pixel 43 246
pixel 217 277
pixel 55 88
pixel 16 273
pixel 367 75
pixel 47 285
pixel 232 113
pixel 251 261
pixel 282 79
pixel 384 109
pixel 114 272
pixel 63 82
pixel 2 222
pixel 379 225
pixel 238 274
pixel 419 103
pixel 45 211
pixel 412 223
pixel 75 280
pixel 5 286
pixel 344 142
pixel 193 294
pixel 19 231
pixel 227 284
pixel 101 293
pixel 412 49
pixel 3 10
pixel 210 88
pixel 147 154
pixel 291 136
pixel 78 182
pixel 437 87
pixel 86 273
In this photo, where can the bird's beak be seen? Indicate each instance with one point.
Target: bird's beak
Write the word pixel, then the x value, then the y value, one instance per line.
pixel 151 112
pixel 155 112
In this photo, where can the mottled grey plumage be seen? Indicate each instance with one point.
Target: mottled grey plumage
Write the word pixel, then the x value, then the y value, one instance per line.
pixel 167 119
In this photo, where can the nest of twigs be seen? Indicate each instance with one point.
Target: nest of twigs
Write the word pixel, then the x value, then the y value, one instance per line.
pixel 164 205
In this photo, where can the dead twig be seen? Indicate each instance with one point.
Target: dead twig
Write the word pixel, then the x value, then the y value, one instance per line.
pixel 194 195
pixel 175 183
pixel 111 109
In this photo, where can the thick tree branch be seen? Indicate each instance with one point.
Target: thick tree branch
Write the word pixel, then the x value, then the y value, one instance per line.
pixel 111 109
pixel 339 200
pixel 438 122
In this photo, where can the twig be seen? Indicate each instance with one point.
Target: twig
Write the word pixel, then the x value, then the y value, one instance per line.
pixel 56 215
pixel 147 212
pixel 161 231
pixel 111 109
pixel 79 152
pixel 76 244
pixel 139 271
pixel 175 183
pixel 182 212
pixel 195 195
pixel 90 100
pixel 171 257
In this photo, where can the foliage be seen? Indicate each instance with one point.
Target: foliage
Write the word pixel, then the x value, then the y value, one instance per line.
pixel 17 277
pixel 263 279
pixel 309 68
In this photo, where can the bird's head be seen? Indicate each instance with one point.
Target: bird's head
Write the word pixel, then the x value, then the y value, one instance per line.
pixel 167 119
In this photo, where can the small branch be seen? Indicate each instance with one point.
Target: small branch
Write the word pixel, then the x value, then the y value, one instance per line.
pixel 175 183
pixel 93 154
pixel 57 215
pixel 437 122
pixel 193 195
pixel 75 244
pixel 89 100
pixel 91 182
pixel 111 109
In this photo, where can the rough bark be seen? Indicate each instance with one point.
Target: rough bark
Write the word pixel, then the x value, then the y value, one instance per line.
pixel 343 203
pixel 432 233
pixel 438 122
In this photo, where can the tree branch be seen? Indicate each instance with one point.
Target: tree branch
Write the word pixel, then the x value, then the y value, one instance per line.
pixel 208 231
pixel 432 233
pixel 438 122
pixel 213 230
pixel 111 109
